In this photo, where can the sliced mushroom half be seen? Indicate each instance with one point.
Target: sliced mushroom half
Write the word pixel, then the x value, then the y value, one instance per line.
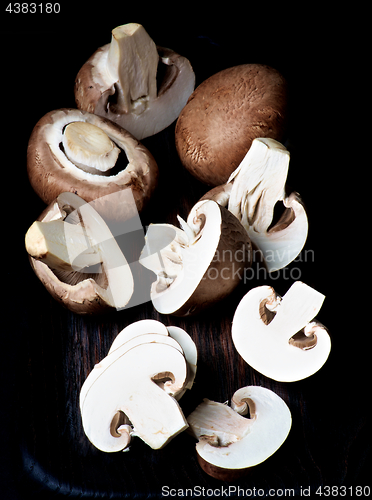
pixel 199 264
pixel 252 193
pixel 76 257
pixel 175 335
pixel 72 150
pixel 229 443
pixel 134 83
pixel 278 336
pixel 133 390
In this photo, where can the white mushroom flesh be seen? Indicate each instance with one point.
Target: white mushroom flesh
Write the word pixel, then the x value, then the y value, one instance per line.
pixel 133 390
pixel 230 441
pixel 285 345
pixel 61 245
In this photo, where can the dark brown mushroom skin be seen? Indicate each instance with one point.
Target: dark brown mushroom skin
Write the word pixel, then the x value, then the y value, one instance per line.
pixel 225 114
pixel 220 473
pixel 49 178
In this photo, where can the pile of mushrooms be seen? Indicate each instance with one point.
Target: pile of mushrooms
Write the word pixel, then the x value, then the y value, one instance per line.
pixel 134 390
pixel 88 165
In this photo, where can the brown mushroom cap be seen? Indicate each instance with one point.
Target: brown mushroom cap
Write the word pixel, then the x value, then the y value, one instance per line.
pixel 51 173
pixel 224 114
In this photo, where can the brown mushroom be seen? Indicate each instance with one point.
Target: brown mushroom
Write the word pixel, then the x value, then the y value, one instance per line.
pixel 76 257
pixel 198 265
pixel 224 114
pixel 76 151
pixel 134 83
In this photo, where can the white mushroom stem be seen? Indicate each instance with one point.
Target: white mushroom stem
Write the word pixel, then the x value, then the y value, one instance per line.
pixel 258 184
pixel 61 245
pixel 89 147
pixel 251 194
pixel 133 61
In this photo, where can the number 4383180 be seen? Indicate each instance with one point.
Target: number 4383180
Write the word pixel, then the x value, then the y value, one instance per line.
pixel 33 8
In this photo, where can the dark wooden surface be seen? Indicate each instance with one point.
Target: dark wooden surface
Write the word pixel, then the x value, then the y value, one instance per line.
pixel 47 351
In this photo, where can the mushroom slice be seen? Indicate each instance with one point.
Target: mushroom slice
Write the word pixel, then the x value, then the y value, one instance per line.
pixel 134 83
pixel 136 329
pixel 251 194
pixel 125 389
pixel 76 257
pixel 198 265
pixel 190 353
pixel 276 335
pixel 72 150
pixel 141 330
pixel 145 332
pixel 228 443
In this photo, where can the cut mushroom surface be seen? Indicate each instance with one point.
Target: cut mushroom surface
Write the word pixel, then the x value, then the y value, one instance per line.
pixel 228 441
pixel 134 390
pixel 199 264
pixel 134 83
pixel 252 193
pixel 73 150
pixel 76 257
pixel 278 336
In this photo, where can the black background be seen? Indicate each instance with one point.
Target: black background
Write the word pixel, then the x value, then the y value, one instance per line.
pixel 48 351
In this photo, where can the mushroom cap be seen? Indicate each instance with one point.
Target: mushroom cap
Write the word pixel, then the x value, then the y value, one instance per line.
pixel 94 90
pixel 276 335
pixel 88 295
pixel 224 114
pixel 51 173
pixel 229 442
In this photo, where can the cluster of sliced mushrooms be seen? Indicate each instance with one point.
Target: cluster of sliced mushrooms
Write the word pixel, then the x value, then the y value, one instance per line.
pixel 90 168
